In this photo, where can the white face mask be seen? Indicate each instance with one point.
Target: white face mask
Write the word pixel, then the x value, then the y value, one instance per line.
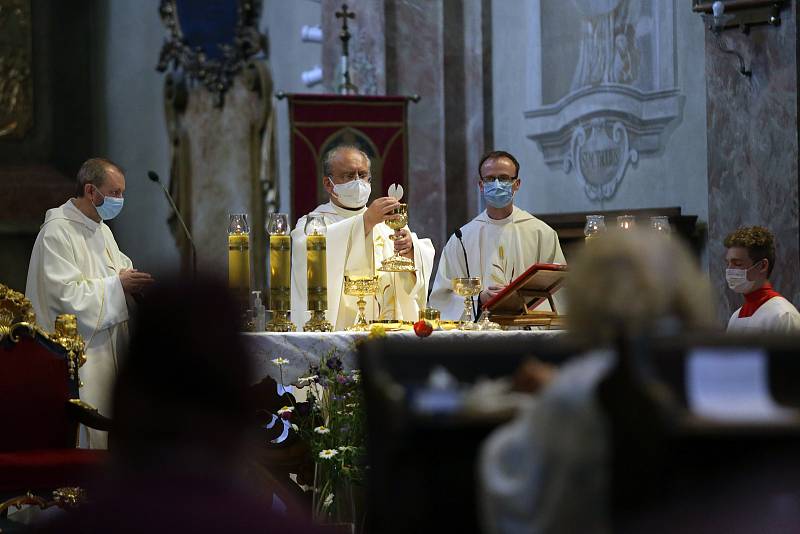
pixel 353 194
pixel 737 280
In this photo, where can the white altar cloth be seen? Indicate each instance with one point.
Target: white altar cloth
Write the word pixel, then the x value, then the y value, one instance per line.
pixel 303 349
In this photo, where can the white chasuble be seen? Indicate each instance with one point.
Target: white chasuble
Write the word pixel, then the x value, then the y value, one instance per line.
pixel 74 268
pixel 400 296
pixel 498 251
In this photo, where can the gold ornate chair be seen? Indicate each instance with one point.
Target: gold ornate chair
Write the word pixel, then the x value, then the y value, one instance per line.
pixel 40 408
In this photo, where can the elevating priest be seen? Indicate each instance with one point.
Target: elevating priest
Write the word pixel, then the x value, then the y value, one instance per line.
pixel 499 244
pixel 357 243
pixel 76 267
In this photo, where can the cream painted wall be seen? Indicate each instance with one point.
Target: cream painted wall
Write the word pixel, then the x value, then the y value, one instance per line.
pixel 129 117
pixel 675 177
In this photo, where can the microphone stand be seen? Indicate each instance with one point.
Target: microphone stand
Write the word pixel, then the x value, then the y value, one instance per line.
pixel 154 177
pixel 466 262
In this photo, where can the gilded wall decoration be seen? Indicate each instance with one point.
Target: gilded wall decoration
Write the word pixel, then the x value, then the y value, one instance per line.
pixel 16 82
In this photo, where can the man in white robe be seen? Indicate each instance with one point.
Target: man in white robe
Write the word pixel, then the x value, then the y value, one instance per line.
pixel 499 244
pixel 750 258
pixel 357 242
pixel 76 267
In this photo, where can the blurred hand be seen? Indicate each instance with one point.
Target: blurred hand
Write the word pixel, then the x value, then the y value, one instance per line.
pixel 134 281
pixel 403 244
pixel 489 293
pixel 378 212
pixel 533 376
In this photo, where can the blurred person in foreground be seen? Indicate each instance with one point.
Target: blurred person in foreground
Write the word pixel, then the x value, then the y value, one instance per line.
pixel 549 470
pixel 180 443
pixel 750 259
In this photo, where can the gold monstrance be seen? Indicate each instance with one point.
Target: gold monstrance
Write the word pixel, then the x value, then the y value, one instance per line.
pixel 280 273
pixel 360 286
pixel 317 273
pixel 399 219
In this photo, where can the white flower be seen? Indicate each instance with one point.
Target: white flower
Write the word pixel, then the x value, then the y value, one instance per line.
pixel 280 361
pixel 295 427
pixel 356 376
pixel 285 409
pixel 345 448
pixel 350 405
pixel 328 501
pixel 327 454
pixel 322 430
pixel 307 379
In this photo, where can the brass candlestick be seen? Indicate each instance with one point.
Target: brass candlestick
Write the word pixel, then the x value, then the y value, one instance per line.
pixel 360 286
pixel 467 288
pixel 280 273
pixel 317 273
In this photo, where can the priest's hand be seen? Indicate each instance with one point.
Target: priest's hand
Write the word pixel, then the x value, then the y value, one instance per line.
pixel 489 293
pixel 134 281
pixel 403 244
pixel 378 211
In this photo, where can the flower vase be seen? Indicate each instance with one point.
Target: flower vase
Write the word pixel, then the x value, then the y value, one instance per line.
pixel 335 505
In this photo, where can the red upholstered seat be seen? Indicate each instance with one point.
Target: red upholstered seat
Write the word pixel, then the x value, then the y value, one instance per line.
pixel 38 378
pixel 49 468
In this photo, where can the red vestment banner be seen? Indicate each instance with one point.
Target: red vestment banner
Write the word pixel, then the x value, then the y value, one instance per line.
pixel 318 123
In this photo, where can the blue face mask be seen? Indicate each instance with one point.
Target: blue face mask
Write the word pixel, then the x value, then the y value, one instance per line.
pixel 110 207
pixel 498 194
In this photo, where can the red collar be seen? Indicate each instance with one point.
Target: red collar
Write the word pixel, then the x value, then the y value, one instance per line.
pixel 754 299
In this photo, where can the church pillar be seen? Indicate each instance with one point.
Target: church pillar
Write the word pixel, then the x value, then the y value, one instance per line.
pixel 753 149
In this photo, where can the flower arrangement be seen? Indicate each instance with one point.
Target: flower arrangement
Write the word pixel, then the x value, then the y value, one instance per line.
pixel 332 422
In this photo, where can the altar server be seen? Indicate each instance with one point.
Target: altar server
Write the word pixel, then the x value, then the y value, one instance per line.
pixel 357 243
pixel 76 267
pixel 751 258
pixel 499 244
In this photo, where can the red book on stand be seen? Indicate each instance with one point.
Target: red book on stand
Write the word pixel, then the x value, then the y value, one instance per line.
pixel 529 290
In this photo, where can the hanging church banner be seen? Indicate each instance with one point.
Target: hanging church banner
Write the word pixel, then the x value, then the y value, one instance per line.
pixel 375 124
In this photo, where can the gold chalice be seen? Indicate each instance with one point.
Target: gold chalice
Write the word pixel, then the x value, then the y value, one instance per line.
pixel 360 286
pixel 467 288
pixel 397 263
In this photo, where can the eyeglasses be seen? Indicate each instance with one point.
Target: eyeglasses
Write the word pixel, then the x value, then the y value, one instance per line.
pixel 349 177
pixel 501 178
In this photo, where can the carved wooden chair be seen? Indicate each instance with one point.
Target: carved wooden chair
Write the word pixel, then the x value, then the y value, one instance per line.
pixel 40 407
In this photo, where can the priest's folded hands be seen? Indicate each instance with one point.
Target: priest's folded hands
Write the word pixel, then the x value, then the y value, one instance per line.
pixel 134 281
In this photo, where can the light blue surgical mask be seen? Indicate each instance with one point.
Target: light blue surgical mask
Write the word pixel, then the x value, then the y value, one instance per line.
pixel 110 207
pixel 498 194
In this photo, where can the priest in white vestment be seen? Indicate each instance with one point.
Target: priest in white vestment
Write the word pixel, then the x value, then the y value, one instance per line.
pixel 499 244
pixel 76 267
pixel 751 258
pixel 357 242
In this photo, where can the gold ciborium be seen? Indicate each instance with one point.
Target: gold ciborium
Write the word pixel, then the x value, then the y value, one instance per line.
pixel 397 263
pixel 467 288
pixel 360 286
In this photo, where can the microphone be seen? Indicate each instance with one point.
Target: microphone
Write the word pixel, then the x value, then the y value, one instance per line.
pixel 458 235
pixel 153 176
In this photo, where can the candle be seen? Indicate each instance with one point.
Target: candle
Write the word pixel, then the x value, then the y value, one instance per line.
pixel 317 274
pixel 239 262
pixel 280 272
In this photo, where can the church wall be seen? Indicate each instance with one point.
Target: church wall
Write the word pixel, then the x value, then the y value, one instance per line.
pixel 752 149
pixel 129 110
pixel 535 54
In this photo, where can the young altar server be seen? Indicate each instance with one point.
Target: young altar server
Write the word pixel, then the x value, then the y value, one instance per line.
pixel 751 258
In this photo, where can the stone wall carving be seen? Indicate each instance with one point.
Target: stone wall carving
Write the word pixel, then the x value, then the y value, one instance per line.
pixel 16 65
pixel 604 89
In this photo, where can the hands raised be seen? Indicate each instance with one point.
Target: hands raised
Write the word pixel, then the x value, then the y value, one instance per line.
pixel 378 211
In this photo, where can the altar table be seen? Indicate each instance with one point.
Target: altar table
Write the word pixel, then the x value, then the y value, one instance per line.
pixel 303 349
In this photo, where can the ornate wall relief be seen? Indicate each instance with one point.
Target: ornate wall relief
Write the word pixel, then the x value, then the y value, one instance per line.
pixel 16 59
pixel 603 88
